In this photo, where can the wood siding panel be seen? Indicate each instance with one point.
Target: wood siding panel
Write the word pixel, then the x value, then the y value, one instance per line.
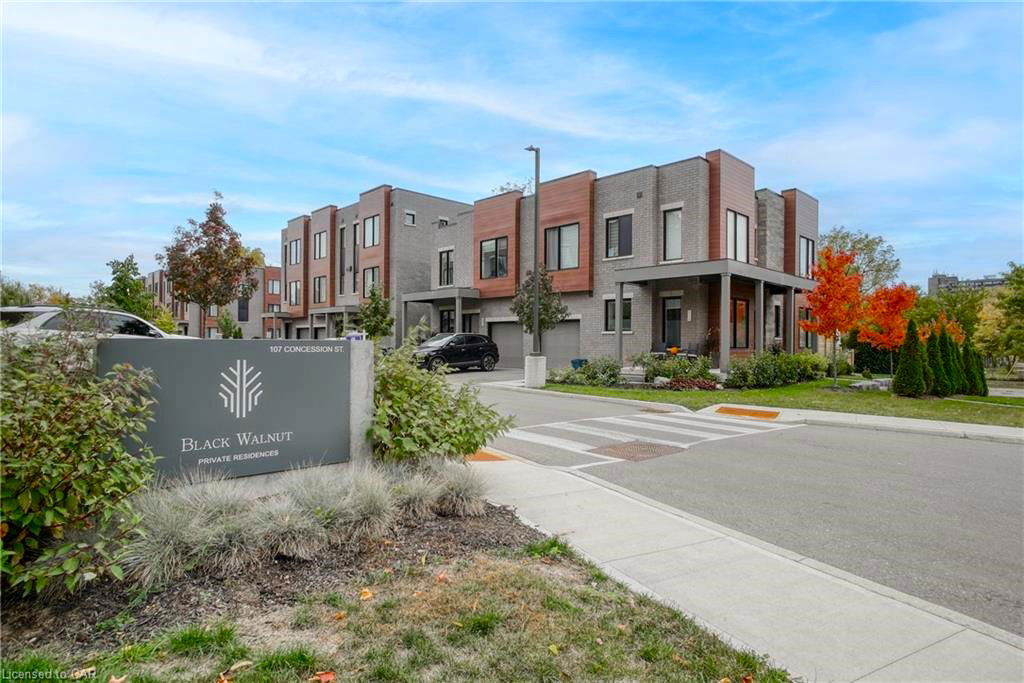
pixel 322 220
pixel 497 216
pixel 563 202
pixel 298 228
pixel 731 186
pixel 801 218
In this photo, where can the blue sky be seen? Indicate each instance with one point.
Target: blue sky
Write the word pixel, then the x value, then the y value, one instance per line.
pixel 120 120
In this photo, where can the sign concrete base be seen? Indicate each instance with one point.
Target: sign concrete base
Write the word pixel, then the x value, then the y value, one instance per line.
pixel 536 371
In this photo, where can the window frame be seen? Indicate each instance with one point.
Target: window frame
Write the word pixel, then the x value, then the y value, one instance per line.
pixel 497 259
pixel 371 231
pixel 619 253
pixel 806 257
pixel 558 230
pixel 446 266
pixel 732 240
pixel 664 234
pixel 733 310
pixel 295 292
pixel 320 289
pixel 406 215
pixel 449 316
pixel 295 251
pixel 777 310
pixel 375 271
pixel 271 288
pixel 320 245
pixel 609 315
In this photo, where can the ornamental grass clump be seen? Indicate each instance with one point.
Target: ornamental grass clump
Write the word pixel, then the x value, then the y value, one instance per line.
pixel 286 529
pixel 321 495
pixel 417 493
pixel 370 507
pixel 222 509
pixel 462 491
pixel 163 547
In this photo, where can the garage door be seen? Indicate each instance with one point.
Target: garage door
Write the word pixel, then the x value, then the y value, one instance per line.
pixel 562 344
pixel 509 338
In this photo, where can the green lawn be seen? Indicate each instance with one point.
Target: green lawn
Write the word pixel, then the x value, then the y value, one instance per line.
pixel 819 395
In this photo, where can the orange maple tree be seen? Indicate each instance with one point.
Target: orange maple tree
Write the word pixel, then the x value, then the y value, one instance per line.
pixel 885 322
pixel 952 327
pixel 835 302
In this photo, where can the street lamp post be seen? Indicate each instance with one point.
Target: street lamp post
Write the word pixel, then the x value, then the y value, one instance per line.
pixel 536 248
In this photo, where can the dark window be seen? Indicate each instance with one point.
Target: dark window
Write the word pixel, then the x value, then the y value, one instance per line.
pixel 371 279
pixel 806 338
pixel 778 320
pixel 806 263
pixel 446 268
pixel 320 289
pixel 467 326
pixel 494 258
pixel 672 320
pixel 410 218
pixel 478 340
pixel 442 222
pixel 57 322
pixel 740 324
pixel 17 317
pixel 123 324
pixel 737 235
pixel 341 260
pixel 355 258
pixel 371 231
pixel 672 234
pixel 447 321
pixel 562 247
pixel 320 245
pixel 618 232
pixel 243 309
pixel 609 315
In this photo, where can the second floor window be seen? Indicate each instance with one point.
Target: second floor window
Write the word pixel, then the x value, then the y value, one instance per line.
pixel 446 268
pixel 371 231
pixel 243 310
pixel 672 234
pixel 410 218
pixel 806 338
pixel 294 252
pixel 294 293
pixel 273 286
pixel 806 263
pixel 371 279
pixel 273 308
pixel 562 247
pixel 494 258
pixel 320 289
pixel 320 245
pixel 737 236
pixel 618 233
pixel 213 311
pixel 442 222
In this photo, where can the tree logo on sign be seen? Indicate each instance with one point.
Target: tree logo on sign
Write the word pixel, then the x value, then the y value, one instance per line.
pixel 241 388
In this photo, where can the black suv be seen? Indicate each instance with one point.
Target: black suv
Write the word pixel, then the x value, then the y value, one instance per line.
pixel 461 350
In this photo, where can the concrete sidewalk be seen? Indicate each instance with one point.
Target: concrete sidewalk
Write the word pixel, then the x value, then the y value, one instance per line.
pixel 816 621
pixel 959 430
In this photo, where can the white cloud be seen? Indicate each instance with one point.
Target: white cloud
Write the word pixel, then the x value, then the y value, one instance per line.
pixel 231 201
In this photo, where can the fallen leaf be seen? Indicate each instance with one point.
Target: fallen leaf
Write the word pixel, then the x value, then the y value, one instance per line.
pixel 600 642
pixel 366 594
pixel 417 594
pixel 621 627
pixel 553 648
pixel 442 577
pixel 83 673
pixel 222 678
pixel 323 677
pixel 115 679
pixel 748 679
pixel 725 680
pixel 338 616
pixel 387 541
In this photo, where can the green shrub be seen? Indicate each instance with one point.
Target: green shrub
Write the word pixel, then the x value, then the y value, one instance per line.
pixel 844 367
pixel 418 414
pixel 767 369
pixel 72 456
pixel 977 385
pixel 909 378
pixel 949 361
pixel 867 375
pixel 673 367
pixel 939 379
pixel 600 372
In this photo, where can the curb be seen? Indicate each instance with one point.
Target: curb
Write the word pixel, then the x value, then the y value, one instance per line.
pixel 927 431
pixel 672 407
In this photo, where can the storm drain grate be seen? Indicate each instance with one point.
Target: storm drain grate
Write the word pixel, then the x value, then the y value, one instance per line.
pixel 636 450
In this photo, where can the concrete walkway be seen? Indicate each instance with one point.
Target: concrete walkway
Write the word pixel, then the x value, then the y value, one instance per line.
pixel 818 622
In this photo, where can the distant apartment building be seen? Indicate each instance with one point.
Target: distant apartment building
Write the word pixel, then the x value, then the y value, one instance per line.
pixel 685 255
pixel 255 314
pixel 940 281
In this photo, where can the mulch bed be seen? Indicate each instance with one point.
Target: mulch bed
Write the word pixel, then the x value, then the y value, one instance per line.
pixel 69 625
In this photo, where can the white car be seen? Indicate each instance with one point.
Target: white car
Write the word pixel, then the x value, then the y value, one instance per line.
pixel 42 320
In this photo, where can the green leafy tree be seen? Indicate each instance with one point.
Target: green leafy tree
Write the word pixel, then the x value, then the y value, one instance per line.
pixel 552 310
pixel 207 263
pixel 875 258
pixel 229 329
pixel 1010 303
pixel 375 315
pixel 949 362
pixel 940 379
pixel 975 371
pixel 164 320
pixel 127 289
pixel 14 293
pixel 909 378
pixel 962 305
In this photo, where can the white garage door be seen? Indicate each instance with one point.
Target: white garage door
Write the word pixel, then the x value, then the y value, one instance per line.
pixel 509 338
pixel 562 344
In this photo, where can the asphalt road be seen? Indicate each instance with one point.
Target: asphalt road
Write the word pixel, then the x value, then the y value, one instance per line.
pixel 938 518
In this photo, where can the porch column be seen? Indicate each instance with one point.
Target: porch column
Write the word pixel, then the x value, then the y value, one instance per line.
pixel 458 312
pixel 789 320
pixel 618 321
pixel 724 302
pixel 758 316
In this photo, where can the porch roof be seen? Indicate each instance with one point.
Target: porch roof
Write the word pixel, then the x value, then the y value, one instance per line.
pixel 665 271
pixel 442 293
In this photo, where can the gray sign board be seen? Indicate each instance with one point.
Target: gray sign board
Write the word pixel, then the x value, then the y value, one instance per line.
pixel 243 407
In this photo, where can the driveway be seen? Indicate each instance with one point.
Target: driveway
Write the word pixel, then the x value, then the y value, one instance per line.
pixel 938 518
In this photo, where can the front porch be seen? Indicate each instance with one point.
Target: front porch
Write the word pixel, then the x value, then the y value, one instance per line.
pixel 734 293
pixel 452 309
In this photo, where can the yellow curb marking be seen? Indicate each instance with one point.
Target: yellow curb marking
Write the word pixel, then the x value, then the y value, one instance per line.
pixel 749 412
pixel 485 456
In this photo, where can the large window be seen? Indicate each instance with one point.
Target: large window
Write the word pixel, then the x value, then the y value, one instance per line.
pixel 672 234
pixel 213 310
pixel 355 258
pixel 618 233
pixel 294 293
pixel 562 247
pixel 447 321
pixel 320 245
pixel 371 231
pixel 341 260
pixel 737 236
pixel 806 263
pixel 371 279
pixel 446 268
pixel 494 258
pixel 672 321
pixel 243 309
pixel 320 289
pixel 273 286
pixel 294 252
pixel 609 315
pixel 778 321
pixel 738 321
pixel 806 338
pixel 410 218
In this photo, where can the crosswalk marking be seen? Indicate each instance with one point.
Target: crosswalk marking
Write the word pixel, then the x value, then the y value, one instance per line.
pixel 688 429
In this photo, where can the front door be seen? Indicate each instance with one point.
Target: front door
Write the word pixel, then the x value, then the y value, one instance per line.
pixel 671 321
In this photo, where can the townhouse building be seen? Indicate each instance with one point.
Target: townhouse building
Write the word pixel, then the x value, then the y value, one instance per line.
pixel 647 259
pixel 254 314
